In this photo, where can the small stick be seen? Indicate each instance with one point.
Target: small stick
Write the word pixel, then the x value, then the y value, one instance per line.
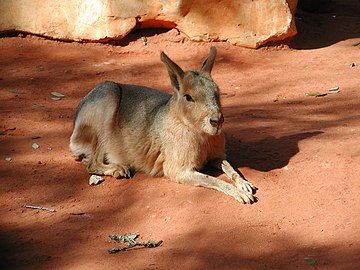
pixel 40 208
pixel 334 88
pixel 148 244
pixel 78 214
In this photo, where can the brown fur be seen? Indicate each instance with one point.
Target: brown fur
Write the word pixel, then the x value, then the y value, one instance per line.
pixel 120 129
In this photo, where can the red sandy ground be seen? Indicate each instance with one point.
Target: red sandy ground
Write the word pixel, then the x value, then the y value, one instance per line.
pixel 301 152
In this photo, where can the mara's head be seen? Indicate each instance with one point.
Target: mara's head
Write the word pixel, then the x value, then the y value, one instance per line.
pixel 196 95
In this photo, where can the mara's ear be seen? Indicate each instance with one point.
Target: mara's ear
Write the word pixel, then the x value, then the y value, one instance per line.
pixel 209 62
pixel 175 72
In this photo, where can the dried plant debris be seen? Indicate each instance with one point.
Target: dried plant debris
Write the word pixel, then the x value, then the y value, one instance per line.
pixel 17 92
pixel 78 214
pixel 309 260
pixel 124 238
pixel 334 90
pixel 8 158
pixel 57 94
pixel 35 146
pixel 130 240
pixel 315 94
pixel 38 104
pixel 40 208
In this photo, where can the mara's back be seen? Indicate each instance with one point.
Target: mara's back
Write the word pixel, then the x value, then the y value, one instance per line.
pixel 131 101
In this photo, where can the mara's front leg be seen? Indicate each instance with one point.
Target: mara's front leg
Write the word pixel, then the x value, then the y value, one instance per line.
pixel 232 174
pixel 198 179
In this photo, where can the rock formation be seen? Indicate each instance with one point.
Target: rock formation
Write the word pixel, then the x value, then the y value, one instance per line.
pixel 248 23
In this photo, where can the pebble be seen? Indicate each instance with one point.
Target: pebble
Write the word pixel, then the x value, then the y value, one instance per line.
pixel 95 180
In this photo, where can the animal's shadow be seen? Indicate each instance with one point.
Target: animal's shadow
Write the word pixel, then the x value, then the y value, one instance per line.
pixel 267 154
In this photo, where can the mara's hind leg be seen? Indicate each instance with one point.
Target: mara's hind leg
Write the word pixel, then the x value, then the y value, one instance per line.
pixel 81 142
pixel 96 118
pixel 115 170
pixel 86 147
pixel 98 165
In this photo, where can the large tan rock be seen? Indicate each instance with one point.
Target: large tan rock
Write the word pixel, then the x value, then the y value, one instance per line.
pixel 248 23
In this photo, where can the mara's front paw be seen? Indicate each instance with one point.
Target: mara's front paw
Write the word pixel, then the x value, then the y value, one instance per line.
pixel 243 184
pixel 240 195
pixel 244 196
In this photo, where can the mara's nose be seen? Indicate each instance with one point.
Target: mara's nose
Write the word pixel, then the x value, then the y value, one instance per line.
pixel 217 120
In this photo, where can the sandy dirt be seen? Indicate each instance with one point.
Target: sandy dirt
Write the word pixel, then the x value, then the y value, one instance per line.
pixel 301 152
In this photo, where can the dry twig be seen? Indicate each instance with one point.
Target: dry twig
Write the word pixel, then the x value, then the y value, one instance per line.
pixel 40 208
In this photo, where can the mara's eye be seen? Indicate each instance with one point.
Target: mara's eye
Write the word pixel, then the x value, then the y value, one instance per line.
pixel 189 98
